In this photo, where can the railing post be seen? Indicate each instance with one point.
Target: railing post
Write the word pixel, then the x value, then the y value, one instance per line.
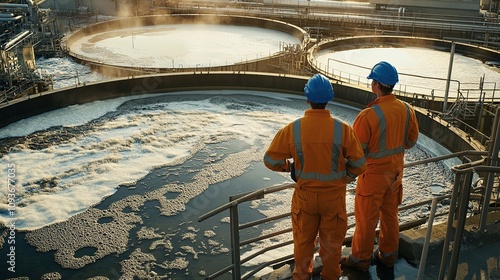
pixel 462 216
pixel 235 240
pixel 451 216
pixel 423 257
pixel 493 93
pixel 450 66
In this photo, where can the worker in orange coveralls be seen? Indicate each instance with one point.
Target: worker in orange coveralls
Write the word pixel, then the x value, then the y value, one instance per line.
pixel 326 156
pixel 385 129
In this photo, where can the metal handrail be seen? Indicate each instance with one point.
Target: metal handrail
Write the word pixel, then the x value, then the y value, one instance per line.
pixel 264 265
pixel 423 258
pixel 259 194
pixel 244 198
pixel 452 155
pixel 262 237
pixel 261 221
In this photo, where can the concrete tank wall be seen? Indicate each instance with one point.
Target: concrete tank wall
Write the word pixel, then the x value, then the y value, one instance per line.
pixel 178 82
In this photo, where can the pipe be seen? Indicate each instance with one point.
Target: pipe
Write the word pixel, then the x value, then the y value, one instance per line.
pixel 2 15
pixel 12 6
pixel 16 40
pixel 10 19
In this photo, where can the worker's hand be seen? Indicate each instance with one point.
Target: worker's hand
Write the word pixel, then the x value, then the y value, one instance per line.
pixel 349 179
pixel 286 166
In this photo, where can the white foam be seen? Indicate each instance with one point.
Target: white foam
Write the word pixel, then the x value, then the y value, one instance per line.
pixel 436 149
pixel 65 72
pixel 122 150
pixel 68 116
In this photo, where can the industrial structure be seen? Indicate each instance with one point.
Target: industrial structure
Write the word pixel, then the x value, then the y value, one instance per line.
pixel 32 28
pixel 26 31
pixel 453 7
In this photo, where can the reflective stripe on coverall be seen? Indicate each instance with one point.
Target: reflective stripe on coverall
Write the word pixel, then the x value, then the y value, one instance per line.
pixel 324 151
pixel 385 129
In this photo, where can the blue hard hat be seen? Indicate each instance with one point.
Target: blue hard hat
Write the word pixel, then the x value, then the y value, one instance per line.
pixel 384 73
pixel 318 89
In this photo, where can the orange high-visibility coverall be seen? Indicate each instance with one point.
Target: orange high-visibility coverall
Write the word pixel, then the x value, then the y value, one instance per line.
pixel 385 129
pixel 325 151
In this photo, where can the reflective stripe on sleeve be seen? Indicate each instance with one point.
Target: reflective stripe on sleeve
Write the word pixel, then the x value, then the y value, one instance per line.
pixel 272 162
pixel 407 126
pixel 357 163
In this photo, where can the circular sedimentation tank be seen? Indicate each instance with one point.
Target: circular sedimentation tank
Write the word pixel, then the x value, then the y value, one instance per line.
pixel 154 44
pixel 422 63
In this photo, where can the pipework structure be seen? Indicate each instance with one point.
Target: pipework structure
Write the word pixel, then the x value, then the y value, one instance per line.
pixel 455 7
pixel 25 30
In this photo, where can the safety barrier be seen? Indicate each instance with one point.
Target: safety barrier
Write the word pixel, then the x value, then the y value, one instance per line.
pixel 461 190
pixel 461 194
pixel 461 187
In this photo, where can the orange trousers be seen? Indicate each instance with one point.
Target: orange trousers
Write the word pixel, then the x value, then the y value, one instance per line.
pixel 377 196
pixel 323 213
